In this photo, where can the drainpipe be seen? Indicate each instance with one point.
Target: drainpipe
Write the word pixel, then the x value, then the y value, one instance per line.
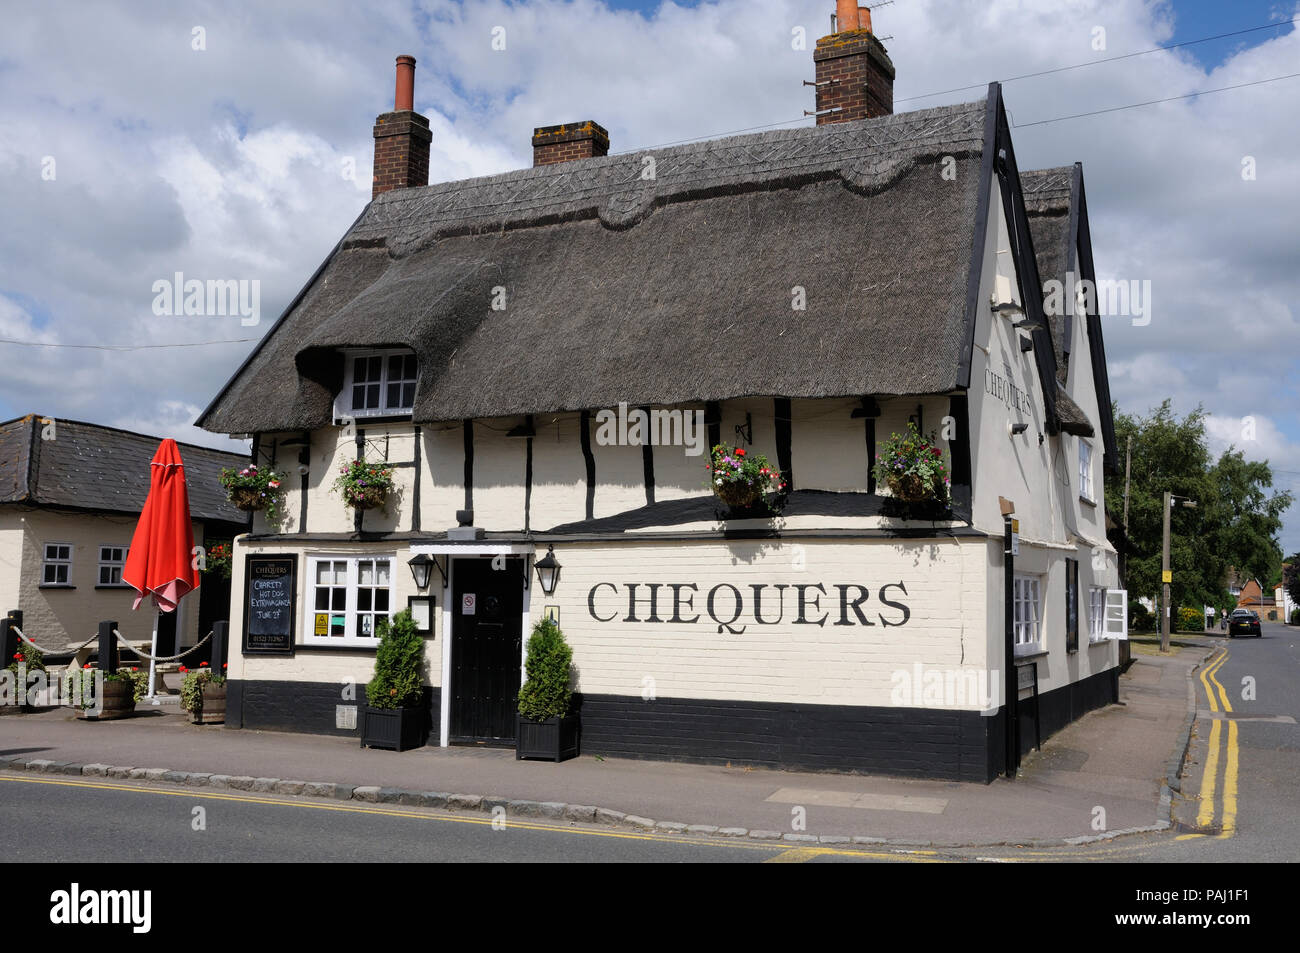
pixel 1011 690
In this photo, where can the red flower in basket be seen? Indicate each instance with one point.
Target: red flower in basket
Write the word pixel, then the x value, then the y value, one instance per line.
pixel 184 669
pixel 201 664
pixel 740 453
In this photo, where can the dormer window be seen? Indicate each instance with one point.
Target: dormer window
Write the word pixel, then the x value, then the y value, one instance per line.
pixel 377 384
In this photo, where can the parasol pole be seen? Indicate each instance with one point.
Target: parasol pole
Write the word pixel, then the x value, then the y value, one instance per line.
pixel 153 652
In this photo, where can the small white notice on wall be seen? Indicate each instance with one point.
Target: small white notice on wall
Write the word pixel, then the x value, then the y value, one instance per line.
pixel 467 603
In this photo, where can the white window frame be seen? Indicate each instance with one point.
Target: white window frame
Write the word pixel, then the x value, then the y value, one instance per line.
pixel 351 610
pixel 1097 614
pixel 1115 624
pixel 56 562
pixel 343 406
pixel 1086 491
pixel 110 564
pixel 1027 625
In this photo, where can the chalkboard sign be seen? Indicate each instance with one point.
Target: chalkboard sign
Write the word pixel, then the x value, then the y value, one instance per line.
pixel 270 587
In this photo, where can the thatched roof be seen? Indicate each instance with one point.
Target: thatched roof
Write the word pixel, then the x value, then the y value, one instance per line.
pixel 1047 194
pixel 655 290
pixel 90 467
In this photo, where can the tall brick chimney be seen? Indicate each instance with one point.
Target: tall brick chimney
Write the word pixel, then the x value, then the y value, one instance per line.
pixel 573 140
pixel 855 78
pixel 402 138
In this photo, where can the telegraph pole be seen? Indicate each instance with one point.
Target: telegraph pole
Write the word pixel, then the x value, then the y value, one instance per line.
pixel 1164 576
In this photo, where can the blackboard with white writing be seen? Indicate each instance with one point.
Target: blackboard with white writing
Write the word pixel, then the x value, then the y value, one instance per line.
pixel 270 584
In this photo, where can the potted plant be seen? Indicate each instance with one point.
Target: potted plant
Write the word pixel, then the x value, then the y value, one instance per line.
pixel 203 695
pixel 912 467
pixel 252 489
pixel 114 697
pixel 26 660
pixel 547 729
pixel 395 717
pixel 217 560
pixel 365 486
pixel 741 479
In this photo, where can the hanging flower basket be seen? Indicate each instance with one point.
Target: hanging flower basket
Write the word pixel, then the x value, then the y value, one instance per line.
pixel 912 467
pixel 251 489
pixel 741 479
pixel 247 499
pixel 912 488
pixel 365 486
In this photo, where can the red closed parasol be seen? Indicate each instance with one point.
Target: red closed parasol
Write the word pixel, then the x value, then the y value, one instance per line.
pixel 160 562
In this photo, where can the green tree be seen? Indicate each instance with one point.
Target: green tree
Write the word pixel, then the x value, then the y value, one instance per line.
pixel 1235 522
pixel 1291 577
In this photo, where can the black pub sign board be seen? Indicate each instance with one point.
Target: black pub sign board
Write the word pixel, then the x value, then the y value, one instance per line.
pixel 270 584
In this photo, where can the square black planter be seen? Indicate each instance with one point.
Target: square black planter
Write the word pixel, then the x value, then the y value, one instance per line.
pixel 393 729
pixel 555 739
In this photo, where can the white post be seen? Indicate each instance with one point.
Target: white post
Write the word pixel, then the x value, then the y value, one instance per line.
pixel 153 651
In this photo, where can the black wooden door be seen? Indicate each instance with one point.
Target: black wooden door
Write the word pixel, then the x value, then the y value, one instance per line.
pixel 486 645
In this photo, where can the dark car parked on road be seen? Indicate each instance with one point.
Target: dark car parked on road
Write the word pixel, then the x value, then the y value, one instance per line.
pixel 1244 622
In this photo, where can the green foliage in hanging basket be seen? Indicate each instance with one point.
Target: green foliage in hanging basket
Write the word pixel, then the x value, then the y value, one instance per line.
pixel 399 661
pixel 363 485
pixel 740 478
pixel 253 488
pixel 913 467
pixel 546 693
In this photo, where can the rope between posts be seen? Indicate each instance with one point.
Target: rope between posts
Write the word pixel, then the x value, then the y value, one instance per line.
pixel 45 651
pixel 161 658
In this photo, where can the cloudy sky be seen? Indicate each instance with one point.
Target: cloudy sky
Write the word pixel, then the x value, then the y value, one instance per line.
pixel 233 141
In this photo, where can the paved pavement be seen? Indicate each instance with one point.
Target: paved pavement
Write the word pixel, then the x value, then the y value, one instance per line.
pixel 1101 775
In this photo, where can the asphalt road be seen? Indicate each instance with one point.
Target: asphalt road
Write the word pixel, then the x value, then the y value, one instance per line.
pixel 101 821
pixel 1247 808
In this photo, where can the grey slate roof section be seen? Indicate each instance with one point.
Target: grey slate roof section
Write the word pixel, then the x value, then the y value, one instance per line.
pixel 102 468
pixel 654 291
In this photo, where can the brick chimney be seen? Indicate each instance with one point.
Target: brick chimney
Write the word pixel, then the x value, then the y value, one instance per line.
pixel 402 138
pixel 855 78
pixel 573 140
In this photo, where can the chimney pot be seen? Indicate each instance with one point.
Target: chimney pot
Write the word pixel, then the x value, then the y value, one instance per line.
pixel 854 75
pixel 404 97
pixel 402 138
pixel 846 15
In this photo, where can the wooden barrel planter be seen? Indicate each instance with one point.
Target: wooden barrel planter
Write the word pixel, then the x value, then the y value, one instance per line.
pixel 212 710
pixel 117 700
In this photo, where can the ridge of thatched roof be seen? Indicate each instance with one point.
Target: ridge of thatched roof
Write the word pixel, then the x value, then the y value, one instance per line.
pixel 619 286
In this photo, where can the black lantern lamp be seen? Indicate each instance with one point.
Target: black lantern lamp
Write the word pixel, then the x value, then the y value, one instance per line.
pixel 422 567
pixel 548 571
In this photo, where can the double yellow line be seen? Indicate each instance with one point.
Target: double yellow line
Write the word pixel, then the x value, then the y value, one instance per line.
pixel 1209 781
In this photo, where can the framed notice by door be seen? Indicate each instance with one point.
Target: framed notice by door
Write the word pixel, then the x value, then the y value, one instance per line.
pixel 270 596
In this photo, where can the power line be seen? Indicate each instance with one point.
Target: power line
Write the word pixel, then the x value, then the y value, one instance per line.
pixel 124 347
pixel 1152 102
pixel 1012 79
pixel 1107 59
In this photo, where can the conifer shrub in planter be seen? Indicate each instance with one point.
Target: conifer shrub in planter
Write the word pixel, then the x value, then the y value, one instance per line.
pixel 548 728
pixel 395 717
